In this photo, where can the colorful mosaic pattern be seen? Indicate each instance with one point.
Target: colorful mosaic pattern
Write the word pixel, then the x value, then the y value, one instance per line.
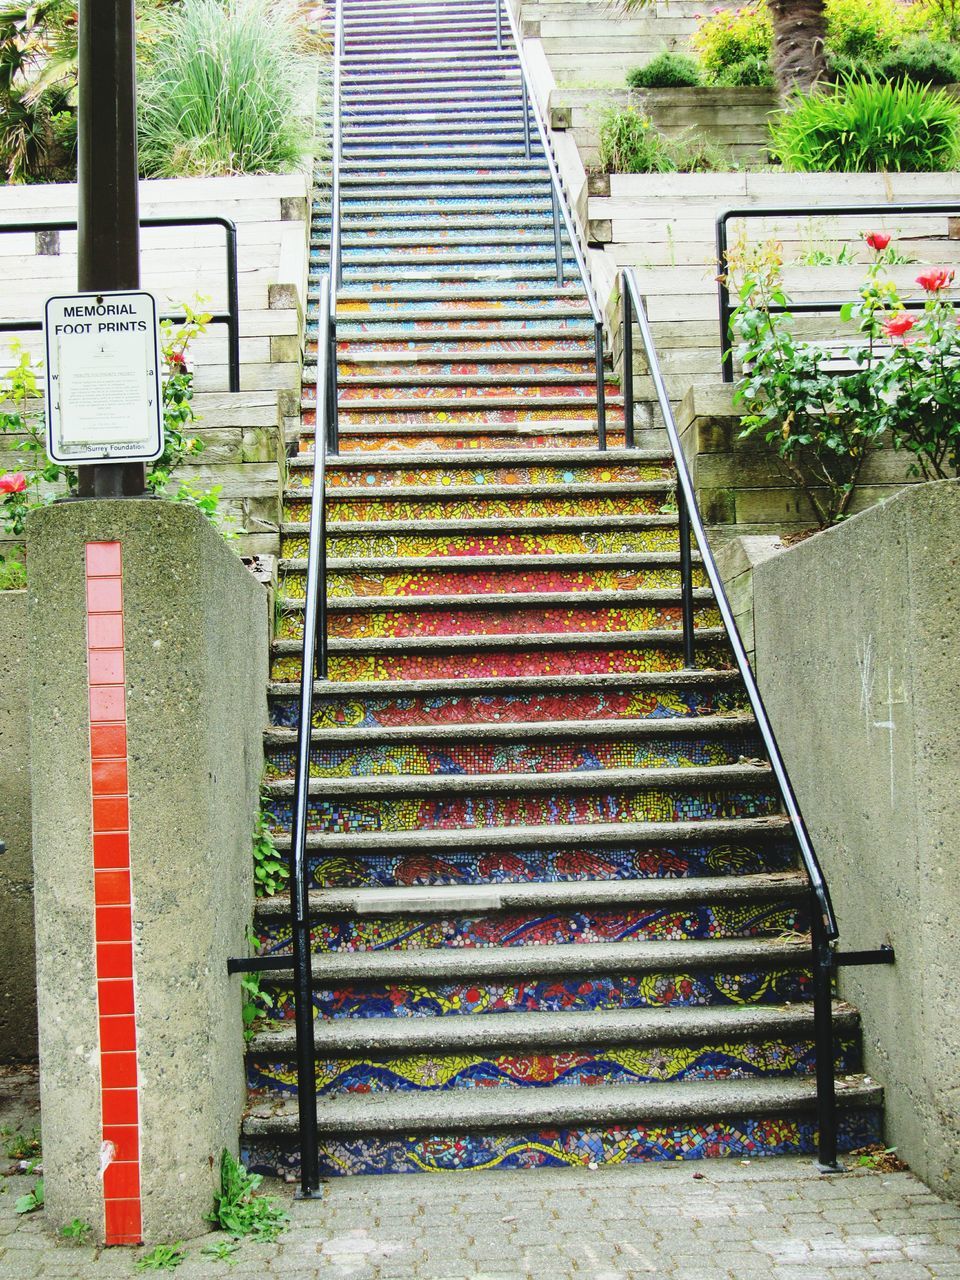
pixel 567 1069
pixel 498 757
pixel 575 928
pixel 523 472
pixel 389 442
pixel 620 702
pixel 564 1148
pixel 485 508
pixel 498 620
pixel 457 397
pixel 381 870
pixel 467 664
pixel 589 993
pixel 552 542
pixel 481 582
pixel 569 371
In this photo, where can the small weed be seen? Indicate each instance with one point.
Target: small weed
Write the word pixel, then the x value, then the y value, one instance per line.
pixel 165 1257
pixel 883 1159
pixel 238 1210
pixel 24 1146
pixel 270 873
pixel 32 1201
pixel 77 1231
pixel 222 1251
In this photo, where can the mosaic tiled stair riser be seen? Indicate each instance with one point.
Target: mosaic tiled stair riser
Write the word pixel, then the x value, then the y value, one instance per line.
pixel 558 915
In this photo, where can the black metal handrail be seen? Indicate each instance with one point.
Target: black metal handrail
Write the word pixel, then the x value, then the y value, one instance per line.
pixel 230 317
pixel 332 434
pixel 313 667
pixel 826 307
pixel 560 207
pixel 824 928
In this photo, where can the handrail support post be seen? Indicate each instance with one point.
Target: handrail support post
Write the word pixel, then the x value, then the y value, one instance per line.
pixel 627 328
pixel 824 1042
pixel 686 581
pixel 557 242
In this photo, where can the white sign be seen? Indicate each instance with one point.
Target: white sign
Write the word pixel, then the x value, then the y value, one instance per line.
pixel 103 378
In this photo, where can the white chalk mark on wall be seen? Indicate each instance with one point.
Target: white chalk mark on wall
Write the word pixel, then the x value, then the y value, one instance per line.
pixel 866 665
pixel 889 725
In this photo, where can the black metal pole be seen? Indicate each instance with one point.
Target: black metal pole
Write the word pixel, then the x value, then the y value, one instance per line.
pixel 824 1041
pixel 525 107
pixel 557 241
pixel 601 390
pixel 627 363
pixel 496 5
pixel 108 243
pixel 686 580
pixel 723 290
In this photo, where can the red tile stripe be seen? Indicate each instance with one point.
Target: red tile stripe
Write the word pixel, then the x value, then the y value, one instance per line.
pixel 113 923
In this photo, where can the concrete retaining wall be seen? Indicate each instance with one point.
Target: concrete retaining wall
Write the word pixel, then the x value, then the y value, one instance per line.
pixel 195 669
pixel 856 652
pixel 18 999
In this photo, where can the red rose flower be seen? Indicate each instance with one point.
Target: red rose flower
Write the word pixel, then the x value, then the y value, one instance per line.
pixel 898 326
pixel 935 280
pixel 877 240
pixel 15 482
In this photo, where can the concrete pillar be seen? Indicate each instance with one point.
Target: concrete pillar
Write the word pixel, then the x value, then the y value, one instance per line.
pixel 148 665
pixel 18 1010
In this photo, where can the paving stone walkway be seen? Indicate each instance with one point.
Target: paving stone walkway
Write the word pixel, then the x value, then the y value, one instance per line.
pixel 721 1220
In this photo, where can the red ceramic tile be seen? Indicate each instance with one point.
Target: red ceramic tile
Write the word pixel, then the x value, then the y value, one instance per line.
pixel 103 559
pixel 122 1222
pixel 118 1071
pixel 119 1034
pixel 108 741
pixel 111 850
pixel 125 1139
pixel 111 813
pixel 114 960
pixel 104 595
pixel 115 997
pixel 109 777
pixel 105 666
pixel 111 887
pixel 120 1106
pixel 121 1180
pixel 114 924
pixel 107 702
pixel 105 630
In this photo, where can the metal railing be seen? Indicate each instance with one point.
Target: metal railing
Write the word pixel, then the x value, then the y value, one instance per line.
pixel 824 929
pixel 560 208
pixel 230 317
pixel 825 307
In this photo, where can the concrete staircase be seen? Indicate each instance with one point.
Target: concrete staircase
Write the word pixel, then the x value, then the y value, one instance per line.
pixel 559 917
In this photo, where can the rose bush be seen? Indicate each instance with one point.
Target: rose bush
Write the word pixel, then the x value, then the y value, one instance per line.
pixel 899 377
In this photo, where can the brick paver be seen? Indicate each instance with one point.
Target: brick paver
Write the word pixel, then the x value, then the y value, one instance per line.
pixel 720 1220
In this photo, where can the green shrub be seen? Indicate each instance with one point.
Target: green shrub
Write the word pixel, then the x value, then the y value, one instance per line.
pixel 221 92
pixel 691 152
pixel 630 144
pixel 755 70
pixel 665 71
pixel 864 126
pixel 728 37
pixel 864 30
pixel 924 61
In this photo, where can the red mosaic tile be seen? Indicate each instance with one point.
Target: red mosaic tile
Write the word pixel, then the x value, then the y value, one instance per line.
pixel 111 887
pixel 105 666
pixel 123 1222
pixel 114 960
pixel 109 778
pixel 115 997
pixel 120 1106
pixel 110 813
pixel 118 1071
pixel 104 595
pixel 113 924
pixel 104 559
pixel 111 851
pixel 107 702
pixel 125 1139
pixel 118 1034
pixel 108 741
pixel 121 1180
pixel 105 630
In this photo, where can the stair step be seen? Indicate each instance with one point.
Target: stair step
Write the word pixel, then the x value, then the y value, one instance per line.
pixel 403 1113
pixel 631 1027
